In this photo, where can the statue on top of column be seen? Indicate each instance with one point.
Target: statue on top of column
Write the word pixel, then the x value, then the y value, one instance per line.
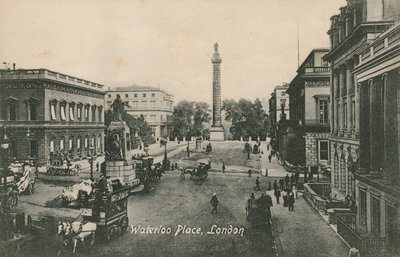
pixel 216 47
pixel 118 108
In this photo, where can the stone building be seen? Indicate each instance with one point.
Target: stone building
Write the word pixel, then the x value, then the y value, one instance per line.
pixel 278 98
pixel 155 104
pixel 377 181
pixel 308 136
pixel 44 112
pixel 358 23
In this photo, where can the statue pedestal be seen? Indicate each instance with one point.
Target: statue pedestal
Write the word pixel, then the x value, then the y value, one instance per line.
pixel 120 166
pixel 217 134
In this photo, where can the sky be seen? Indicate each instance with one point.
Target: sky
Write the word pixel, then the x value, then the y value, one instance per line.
pixel 167 43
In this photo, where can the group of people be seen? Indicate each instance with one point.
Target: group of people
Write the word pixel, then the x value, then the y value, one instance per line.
pixel 287 189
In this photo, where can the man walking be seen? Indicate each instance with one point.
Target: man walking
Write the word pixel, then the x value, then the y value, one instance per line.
pixel 277 194
pixel 257 184
pixel 269 158
pixel 291 201
pixel 214 203
pixel 223 167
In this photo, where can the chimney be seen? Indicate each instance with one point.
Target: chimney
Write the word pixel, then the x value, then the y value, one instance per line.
pixel 14 66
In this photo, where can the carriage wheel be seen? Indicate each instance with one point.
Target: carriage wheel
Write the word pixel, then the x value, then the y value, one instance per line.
pixel 123 224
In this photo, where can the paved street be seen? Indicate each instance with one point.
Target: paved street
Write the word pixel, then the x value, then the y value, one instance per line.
pixel 176 202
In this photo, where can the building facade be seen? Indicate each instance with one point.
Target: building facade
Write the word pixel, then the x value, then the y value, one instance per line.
pixel 278 106
pixel 308 136
pixel 377 181
pixel 44 112
pixel 156 106
pixel 358 23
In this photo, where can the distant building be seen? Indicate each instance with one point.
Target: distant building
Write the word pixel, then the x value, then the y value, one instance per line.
pixel 306 140
pixel 351 31
pixel 44 112
pixel 278 106
pixel 155 104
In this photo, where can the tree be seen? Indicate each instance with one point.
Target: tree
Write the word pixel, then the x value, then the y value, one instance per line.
pixel 248 119
pixel 188 118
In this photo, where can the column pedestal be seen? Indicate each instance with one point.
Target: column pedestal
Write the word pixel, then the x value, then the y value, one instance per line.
pixel 217 134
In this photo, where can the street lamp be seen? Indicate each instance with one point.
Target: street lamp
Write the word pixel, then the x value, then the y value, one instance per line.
pixel 164 142
pixel 187 148
pixel 91 158
pixel 5 146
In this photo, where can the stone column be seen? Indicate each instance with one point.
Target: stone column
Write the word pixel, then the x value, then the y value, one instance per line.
pixel 342 88
pixel 349 85
pixel 357 112
pixel 364 100
pixel 334 86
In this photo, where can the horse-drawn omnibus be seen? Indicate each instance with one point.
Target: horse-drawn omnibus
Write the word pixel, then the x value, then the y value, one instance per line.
pixel 109 212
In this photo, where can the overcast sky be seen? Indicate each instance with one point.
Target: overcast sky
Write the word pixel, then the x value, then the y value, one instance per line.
pixel 167 43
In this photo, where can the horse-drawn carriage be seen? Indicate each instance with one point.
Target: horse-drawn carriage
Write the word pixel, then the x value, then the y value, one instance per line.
pixel 60 164
pixel 25 178
pixel 147 170
pixel 77 194
pixel 198 173
pixel 258 215
pixel 8 194
pixel 105 216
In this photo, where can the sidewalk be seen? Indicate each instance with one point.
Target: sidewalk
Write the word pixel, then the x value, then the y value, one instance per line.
pixel 303 232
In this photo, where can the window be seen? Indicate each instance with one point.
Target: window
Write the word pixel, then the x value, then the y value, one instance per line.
pixel 87 113
pixel 126 95
pixel 109 95
pixel 51 146
pixel 345 115
pixel 144 95
pixel 134 95
pixel 71 111
pixel 323 111
pixel 100 114
pixel 92 143
pixel 337 114
pixel 323 150
pixel 353 113
pixel 70 144
pixel 86 143
pixel 79 112
pixel 34 148
pixel 99 142
pixel 93 113
pixel 62 111
pixel 153 95
pixel 32 111
pixel 53 111
pixel 61 144
pixel 12 111
pixel 375 216
pixel 363 207
pixel 78 144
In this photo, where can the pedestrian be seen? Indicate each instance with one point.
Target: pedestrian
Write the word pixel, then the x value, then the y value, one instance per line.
pixel 294 189
pixel 287 181
pixel 252 196
pixel 277 194
pixel 296 177
pixel 269 158
pixel 291 201
pixel 281 184
pixel 257 184
pixel 275 185
pixel 214 203
pixel 249 172
pixel 285 198
pixel 223 167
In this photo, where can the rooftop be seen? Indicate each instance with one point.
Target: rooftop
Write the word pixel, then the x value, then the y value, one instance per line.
pixel 29 74
pixel 135 88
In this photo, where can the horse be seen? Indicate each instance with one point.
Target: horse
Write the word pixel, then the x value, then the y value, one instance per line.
pixel 77 231
pixel 191 171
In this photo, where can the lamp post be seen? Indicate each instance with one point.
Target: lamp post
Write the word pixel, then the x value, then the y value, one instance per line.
pixel 5 146
pixel 164 142
pixel 91 159
pixel 187 148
